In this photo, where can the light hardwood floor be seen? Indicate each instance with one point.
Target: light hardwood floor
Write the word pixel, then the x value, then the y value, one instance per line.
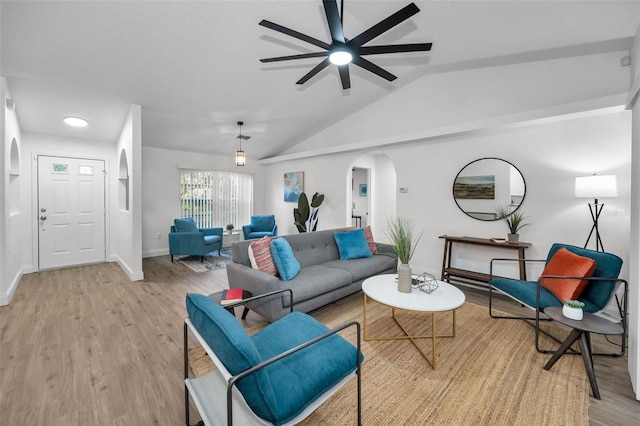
pixel 85 346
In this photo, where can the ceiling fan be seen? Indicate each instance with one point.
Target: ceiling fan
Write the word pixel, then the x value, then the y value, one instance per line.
pixel 342 51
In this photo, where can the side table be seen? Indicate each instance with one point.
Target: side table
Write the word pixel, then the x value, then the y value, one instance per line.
pixel 581 330
pixel 217 297
pixel 230 237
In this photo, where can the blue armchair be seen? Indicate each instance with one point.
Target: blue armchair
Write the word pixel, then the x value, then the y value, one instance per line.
pixel 260 226
pixel 601 289
pixel 187 239
pixel 279 375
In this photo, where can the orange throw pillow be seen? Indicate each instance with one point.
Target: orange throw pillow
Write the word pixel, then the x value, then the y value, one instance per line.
pixel 566 263
pixel 369 236
pixel 260 256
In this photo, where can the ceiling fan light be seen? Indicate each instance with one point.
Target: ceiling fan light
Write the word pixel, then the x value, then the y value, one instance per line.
pixel 241 159
pixel 340 57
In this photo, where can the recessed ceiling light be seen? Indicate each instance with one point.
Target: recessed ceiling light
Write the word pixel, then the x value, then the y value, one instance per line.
pixel 76 121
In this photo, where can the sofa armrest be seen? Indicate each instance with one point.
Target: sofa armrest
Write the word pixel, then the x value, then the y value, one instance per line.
pixel 253 280
pixel 246 230
pixel 275 230
pixel 212 231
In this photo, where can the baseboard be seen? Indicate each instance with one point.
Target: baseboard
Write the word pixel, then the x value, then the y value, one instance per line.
pixel 5 299
pixel 155 253
pixel 133 275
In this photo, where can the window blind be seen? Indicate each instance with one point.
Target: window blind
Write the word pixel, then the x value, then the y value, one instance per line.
pixel 215 199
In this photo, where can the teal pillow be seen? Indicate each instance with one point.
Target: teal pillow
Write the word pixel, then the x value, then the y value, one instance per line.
pixel 185 224
pixel 352 244
pixel 286 263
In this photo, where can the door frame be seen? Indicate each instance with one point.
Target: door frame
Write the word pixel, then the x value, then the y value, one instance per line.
pixel 35 248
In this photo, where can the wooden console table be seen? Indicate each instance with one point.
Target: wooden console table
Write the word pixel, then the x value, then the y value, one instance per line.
pixel 466 276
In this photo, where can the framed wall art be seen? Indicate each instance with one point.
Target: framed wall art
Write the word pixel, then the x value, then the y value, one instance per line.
pixel 293 186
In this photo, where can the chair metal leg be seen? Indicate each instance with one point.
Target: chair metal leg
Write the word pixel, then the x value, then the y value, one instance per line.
pixel 171 258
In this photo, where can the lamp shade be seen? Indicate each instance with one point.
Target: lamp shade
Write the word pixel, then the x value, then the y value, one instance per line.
pixel 596 186
pixel 240 158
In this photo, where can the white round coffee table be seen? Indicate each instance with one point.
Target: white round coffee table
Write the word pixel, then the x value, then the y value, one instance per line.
pixel 384 289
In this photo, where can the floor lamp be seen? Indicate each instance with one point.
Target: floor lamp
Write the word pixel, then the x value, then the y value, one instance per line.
pixel 595 187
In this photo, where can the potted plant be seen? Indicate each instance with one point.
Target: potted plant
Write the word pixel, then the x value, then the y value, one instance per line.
pixel 230 227
pixel 572 309
pixel 405 241
pixel 514 220
pixel 305 216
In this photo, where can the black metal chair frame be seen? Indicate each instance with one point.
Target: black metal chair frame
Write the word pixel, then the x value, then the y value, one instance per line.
pixel 622 307
pixel 233 380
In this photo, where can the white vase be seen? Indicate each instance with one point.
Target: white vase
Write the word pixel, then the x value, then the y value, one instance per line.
pixel 404 278
pixel 572 313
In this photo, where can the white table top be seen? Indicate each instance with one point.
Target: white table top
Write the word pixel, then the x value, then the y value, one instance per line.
pixel 384 289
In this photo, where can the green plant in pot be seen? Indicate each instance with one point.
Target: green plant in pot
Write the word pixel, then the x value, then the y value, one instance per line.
pixel 405 241
pixel 305 216
pixel 572 309
pixel 514 220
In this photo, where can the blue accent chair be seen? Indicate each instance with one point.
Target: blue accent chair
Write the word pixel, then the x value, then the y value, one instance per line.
pixel 186 238
pixel 601 289
pixel 260 226
pixel 277 376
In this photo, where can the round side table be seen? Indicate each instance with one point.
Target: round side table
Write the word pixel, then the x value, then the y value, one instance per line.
pixel 581 331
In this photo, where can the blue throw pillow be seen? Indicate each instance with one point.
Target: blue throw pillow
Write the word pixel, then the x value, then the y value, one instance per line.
pixel 185 224
pixel 352 244
pixel 286 263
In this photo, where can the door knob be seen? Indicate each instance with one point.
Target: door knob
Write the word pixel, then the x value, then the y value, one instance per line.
pixel 43 218
pixel 43 210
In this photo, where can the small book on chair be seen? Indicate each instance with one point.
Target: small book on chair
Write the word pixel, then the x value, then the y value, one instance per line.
pixel 231 295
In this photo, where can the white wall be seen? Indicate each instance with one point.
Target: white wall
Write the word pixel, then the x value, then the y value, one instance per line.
pixel 161 190
pixel 634 261
pixel 11 214
pixel 128 223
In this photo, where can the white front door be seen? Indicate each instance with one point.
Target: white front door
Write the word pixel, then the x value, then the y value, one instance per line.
pixel 71 211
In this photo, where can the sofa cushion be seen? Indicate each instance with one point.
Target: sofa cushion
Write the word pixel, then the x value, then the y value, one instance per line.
pixel 260 256
pixel 315 280
pixel 262 223
pixel 306 375
pixel 364 268
pixel 211 239
pixel 286 263
pixel 569 264
pixel 185 224
pixel 352 244
pixel 235 349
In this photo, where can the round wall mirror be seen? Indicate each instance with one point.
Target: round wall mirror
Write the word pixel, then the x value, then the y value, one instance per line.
pixel 483 186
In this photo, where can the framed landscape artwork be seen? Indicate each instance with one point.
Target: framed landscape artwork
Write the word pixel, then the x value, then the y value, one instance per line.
pixel 293 186
pixel 475 187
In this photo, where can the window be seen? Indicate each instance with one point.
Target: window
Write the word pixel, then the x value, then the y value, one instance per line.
pixel 215 199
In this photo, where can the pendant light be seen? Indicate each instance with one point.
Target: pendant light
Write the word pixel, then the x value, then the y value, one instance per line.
pixel 241 159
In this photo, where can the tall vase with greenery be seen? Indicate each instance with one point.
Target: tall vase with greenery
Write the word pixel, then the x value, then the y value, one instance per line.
pixel 305 216
pixel 405 241
pixel 514 220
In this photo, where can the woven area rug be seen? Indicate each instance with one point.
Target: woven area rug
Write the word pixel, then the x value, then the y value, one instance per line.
pixel 489 374
pixel 210 262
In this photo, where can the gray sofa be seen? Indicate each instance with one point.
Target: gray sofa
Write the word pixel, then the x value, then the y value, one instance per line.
pixel 323 277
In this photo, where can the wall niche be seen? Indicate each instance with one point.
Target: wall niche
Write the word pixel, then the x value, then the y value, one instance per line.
pixel 123 182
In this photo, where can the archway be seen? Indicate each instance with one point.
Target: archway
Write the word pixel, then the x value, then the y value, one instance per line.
pixel 375 202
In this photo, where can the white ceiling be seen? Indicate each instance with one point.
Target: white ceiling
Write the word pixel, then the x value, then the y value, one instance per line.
pixel 194 66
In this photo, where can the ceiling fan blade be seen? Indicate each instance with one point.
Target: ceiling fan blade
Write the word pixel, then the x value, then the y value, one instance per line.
pixel 394 48
pixel 294 34
pixel 385 25
pixel 300 56
pixel 344 76
pixel 322 65
pixel 333 19
pixel 370 66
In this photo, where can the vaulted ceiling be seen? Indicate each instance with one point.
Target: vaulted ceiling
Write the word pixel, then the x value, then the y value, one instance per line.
pixel 194 66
